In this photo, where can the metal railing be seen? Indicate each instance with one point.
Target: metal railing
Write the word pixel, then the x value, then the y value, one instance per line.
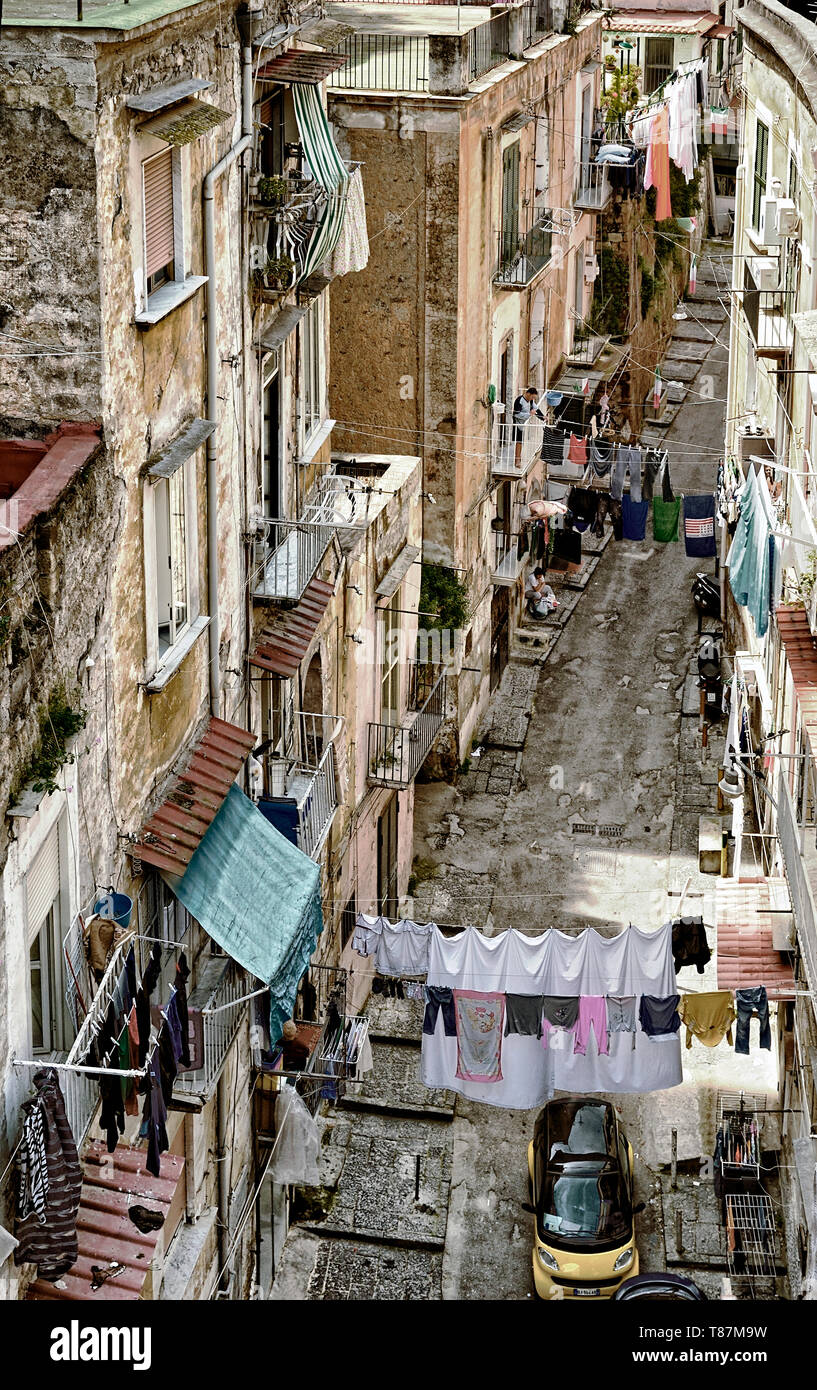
pixel 537 21
pixel 397 752
pixel 221 1016
pixel 488 45
pixel 768 314
pixel 310 778
pixel 593 188
pixel 508 440
pixel 587 346
pixel 507 560
pixel 800 890
pixel 81 1089
pixel 383 63
pixel 520 258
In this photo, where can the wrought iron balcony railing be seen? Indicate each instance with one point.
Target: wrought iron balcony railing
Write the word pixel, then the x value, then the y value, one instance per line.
pixel 521 258
pixel 515 448
pixel 593 190
pixel 220 994
pixel 507 560
pixel 768 314
pixel 301 795
pixel 398 751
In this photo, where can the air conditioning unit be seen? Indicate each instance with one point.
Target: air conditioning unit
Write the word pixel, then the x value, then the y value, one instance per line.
pixel 788 218
pixel 769 234
pixel 766 272
pixel 591 268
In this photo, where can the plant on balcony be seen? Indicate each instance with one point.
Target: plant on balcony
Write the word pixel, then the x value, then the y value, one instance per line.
pixel 622 94
pixel 276 273
pixel 273 192
pixel 58 722
pixel 805 582
pixel 443 594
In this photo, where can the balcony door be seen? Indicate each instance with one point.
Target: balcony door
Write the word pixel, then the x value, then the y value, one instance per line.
pixel 500 633
pixel 387 903
pixel 272 501
pixel 390 662
pixel 273 137
pixel 50 1025
pixel 510 202
pixel 587 131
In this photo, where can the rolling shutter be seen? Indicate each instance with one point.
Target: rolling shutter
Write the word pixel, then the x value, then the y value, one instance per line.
pixel 43 882
pixel 157 175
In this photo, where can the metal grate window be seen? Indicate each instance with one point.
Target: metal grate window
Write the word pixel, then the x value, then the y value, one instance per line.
pixel 658 62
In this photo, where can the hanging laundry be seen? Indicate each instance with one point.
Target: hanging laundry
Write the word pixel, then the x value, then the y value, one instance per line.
pixel 560 1014
pixel 750 1002
pixel 601 456
pixel 592 1015
pixel 709 1017
pixel 154 1116
pixel 656 472
pixel 403 948
pixel 689 944
pixel 351 254
pixel 367 934
pixel 523 1014
pixel 621 1014
pixel 634 518
pixel 628 460
pixel 577 450
pixel 693 275
pixel 666 519
pixel 656 174
pixel 439 998
pixel 699 525
pixel 659 1017
pixel 480 1021
pixel 51 1182
pixel 7 1244
pixel 567 550
pixel 748 558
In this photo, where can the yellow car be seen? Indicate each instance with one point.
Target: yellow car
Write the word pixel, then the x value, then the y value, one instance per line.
pixel 580 1168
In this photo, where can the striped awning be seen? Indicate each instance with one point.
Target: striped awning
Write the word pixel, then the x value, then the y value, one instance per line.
pixel 281 649
pixel 170 838
pixel 327 168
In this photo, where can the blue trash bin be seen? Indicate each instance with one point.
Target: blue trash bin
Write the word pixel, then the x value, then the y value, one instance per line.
pixel 116 906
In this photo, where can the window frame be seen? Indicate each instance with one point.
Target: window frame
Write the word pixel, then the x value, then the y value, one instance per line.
pixel 759 178
pixel 390 666
pixel 312 383
pixel 662 68
pixel 508 204
pixel 158 658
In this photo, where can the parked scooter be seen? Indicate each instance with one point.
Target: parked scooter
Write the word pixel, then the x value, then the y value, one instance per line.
pixel 706 595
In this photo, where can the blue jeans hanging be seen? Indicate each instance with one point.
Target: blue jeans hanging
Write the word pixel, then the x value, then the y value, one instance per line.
pixel 750 1001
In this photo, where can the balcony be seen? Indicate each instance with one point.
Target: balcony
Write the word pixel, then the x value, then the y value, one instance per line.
pixel 301 796
pixel 507 560
pixel 221 987
pixel 520 259
pixel 504 463
pixel 397 752
pixel 769 316
pixel 593 191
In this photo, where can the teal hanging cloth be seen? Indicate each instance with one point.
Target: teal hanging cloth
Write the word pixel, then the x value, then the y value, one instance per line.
pixel 259 898
pixel 666 518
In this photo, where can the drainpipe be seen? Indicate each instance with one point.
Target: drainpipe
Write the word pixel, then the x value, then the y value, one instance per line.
pixel 211 350
pixel 222 1121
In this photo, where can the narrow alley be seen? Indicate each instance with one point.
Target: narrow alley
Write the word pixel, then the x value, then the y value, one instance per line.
pixel 602 732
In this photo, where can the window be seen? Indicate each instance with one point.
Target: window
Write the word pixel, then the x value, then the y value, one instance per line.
pixel 541 179
pixel 510 202
pixel 348 922
pixel 171 560
pixel 311 345
pixel 270 444
pixel 157 192
pixel 658 62
pixel 272 120
pixel 759 178
pixel 48 1021
pixel 172 616
pixel 387 901
pixel 390 661
pixel 276 722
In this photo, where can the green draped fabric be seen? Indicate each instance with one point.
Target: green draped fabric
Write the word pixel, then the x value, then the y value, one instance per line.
pixel 327 168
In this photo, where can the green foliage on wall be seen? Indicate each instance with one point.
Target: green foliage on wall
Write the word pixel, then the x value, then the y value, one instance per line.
pixel 647 288
pixel 58 722
pixel 611 294
pixel 443 593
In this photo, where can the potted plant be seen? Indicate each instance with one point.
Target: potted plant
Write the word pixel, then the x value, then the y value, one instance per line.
pixel 276 273
pixel 273 192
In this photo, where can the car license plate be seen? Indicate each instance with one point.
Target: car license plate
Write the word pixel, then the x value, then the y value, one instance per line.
pixel 586 1293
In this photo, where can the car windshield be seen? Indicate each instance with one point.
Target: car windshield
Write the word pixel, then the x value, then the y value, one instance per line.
pixel 585 1201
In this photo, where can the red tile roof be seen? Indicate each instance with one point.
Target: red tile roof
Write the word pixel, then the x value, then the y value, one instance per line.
pixel 745 954
pixel 662 21
pixel 281 648
pixel 174 832
pixel 801 653
pixel 299 65
pixel 68 450
pixel 105 1232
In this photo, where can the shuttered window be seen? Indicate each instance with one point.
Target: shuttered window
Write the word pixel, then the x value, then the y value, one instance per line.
pixel 43 882
pixel 157 182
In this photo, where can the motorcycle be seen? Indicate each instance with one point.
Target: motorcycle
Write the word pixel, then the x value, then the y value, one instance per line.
pixel 706 595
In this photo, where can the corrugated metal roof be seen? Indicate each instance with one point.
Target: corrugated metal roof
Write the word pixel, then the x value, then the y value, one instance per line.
pixel 663 21
pixel 171 837
pixel 300 66
pixel 111 1184
pixel 282 325
pixel 281 648
pixel 519 121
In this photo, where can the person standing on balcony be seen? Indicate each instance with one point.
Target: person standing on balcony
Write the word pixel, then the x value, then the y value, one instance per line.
pixel 523 408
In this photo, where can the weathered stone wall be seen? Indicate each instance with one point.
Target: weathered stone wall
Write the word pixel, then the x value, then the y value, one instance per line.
pixel 49 253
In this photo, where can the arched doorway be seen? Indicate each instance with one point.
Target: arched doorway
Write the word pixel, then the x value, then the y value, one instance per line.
pixel 311 712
